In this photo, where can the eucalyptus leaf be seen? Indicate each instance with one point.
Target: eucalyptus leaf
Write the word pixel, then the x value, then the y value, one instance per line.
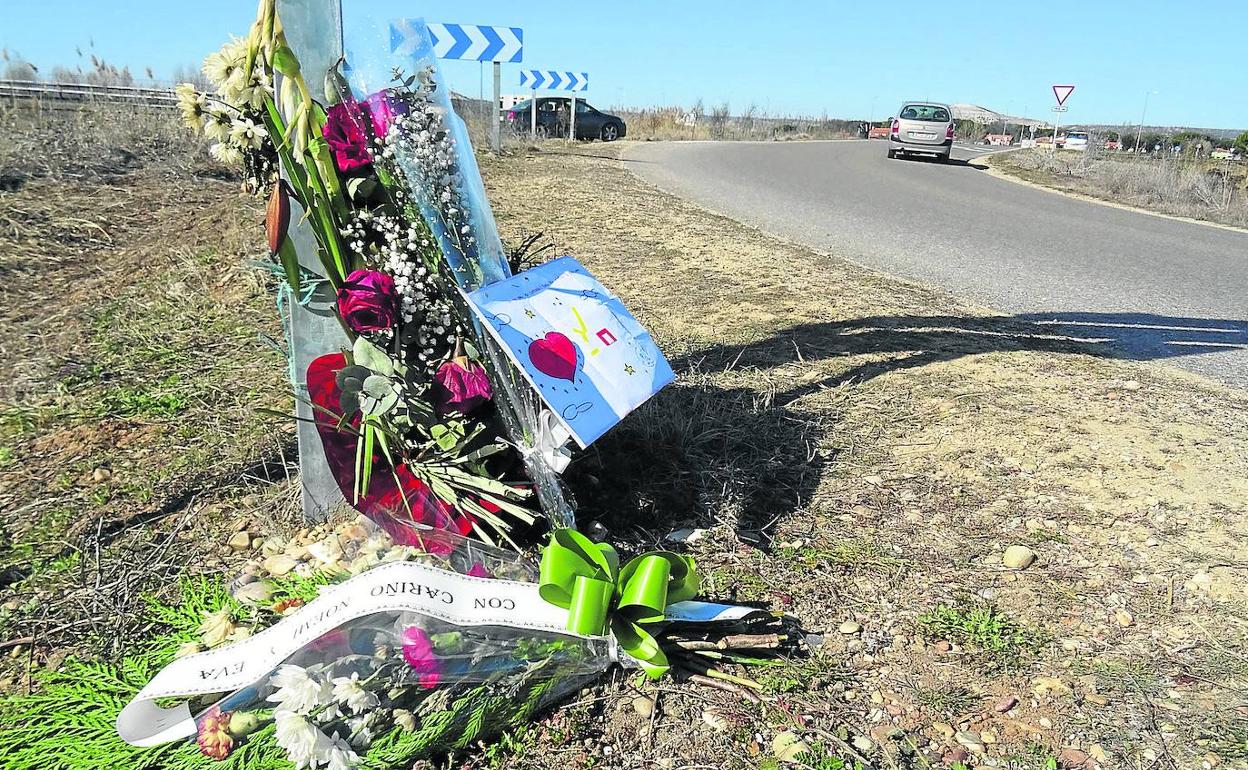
pixel 368 355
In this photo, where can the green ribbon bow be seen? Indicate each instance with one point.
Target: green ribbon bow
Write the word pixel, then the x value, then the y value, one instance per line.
pixel 585 578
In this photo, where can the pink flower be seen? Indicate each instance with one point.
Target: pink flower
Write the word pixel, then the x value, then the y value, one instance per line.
pixel 418 652
pixel 366 301
pixel 460 386
pixel 478 570
pixel 346 138
pixel 382 110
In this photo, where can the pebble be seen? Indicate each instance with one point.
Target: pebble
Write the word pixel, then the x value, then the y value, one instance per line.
pixel 788 747
pixel 862 744
pixel 944 730
pixel 101 474
pixel 1005 704
pixel 1071 758
pixel 849 628
pixel 278 564
pixel 257 592
pixel 970 740
pixel 1043 685
pixel 1018 557
pixel 1124 618
pixel 241 541
pixel 644 706
pixel 715 721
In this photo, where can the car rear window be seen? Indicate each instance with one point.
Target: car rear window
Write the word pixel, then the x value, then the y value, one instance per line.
pixel 925 112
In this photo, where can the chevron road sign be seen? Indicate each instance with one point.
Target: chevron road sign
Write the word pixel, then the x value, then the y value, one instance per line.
pixel 471 42
pixel 552 80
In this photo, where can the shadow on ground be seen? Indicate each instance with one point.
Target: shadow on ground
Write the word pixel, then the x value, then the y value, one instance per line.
pixel 742 457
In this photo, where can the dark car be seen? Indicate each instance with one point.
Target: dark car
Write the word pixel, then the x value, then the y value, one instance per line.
pixel 552 119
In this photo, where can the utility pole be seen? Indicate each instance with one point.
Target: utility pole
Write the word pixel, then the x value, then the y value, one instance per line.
pixel 1140 134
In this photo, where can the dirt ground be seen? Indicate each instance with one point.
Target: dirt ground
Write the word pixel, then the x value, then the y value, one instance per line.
pixel 846 447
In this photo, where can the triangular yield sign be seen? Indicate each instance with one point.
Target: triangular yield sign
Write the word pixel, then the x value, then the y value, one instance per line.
pixel 1062 93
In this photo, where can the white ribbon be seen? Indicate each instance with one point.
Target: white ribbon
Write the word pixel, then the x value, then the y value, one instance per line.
pixel 399 586
pixel 395 587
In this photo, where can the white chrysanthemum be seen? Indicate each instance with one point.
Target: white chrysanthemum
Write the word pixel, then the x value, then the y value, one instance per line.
pixel 351 693
pixel 217 126
pixel 245 133
pixel 297 690
pixel 220 65
pixel 226 153
pixel 340 755
pixel 192 104
pixel 305 745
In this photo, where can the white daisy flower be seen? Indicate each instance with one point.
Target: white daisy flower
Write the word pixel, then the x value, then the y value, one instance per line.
pixel 244 132
pixel 217 126
pixel 349 692
pixel 226 153
pixel 305 745
pixel 298 691
pixel 340 755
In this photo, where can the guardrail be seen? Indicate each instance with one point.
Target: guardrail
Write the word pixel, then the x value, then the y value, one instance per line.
pixel 86 92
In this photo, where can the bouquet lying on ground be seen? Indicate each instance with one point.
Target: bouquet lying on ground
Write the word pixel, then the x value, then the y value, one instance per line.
pixel 423 421
pixel 432 650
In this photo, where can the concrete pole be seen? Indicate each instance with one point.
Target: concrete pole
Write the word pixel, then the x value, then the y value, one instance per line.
pixel 533 113
pixel 572 120
pixel 496 139
pixel 314 32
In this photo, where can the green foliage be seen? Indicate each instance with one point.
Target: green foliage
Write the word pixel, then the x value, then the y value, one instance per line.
pixel 819 758
pixel 1241 143
pixel 157 402
pixel 292 586
pixel 983 627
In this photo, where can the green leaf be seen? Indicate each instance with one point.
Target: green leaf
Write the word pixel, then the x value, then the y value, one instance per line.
pixel 289 260
pixel 368 355
pixel 285 62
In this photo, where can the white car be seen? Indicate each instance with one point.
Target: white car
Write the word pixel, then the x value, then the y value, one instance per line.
pixel 1076 140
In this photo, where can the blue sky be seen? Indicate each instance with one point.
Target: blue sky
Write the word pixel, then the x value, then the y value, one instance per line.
pixel 849 60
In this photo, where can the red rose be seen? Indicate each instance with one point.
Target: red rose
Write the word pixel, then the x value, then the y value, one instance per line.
pixel 460 386
pixel 366 301
pixel 345 137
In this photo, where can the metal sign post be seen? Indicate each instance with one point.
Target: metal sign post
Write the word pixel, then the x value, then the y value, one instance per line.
pixel 477 42
pixel 554 80
pixel 1062 93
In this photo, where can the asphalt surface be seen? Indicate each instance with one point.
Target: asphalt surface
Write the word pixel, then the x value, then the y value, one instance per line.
pixel 1149 287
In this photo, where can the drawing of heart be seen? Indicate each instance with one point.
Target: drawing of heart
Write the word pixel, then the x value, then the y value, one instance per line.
pixel 554 355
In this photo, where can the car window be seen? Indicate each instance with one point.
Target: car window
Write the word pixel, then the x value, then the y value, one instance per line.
pixel 582 107
pixel 521 106
pixel 549 106
pixel 925 112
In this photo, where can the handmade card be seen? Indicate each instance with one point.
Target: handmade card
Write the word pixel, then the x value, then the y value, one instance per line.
pixel 585 354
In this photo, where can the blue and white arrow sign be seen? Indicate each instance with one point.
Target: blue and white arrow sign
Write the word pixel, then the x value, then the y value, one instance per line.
pixel 552 80
pixel 476 42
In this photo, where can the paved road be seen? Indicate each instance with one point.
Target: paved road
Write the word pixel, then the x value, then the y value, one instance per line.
pixel 1154 288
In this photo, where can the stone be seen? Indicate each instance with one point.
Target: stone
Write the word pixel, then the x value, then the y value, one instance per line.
pixel 1018 557
pixel 241 541
pixel 1005 704
pixel 278 564
pixel 955 756
pixel 944 730
pixel 862 744
pixel 644 706
pixel 970 740
pixel 686 535
pixel 1097 752
pixel 100 475
pixel 1044 685
pixel 849 628
pixel 943 646
pixel 1131 385
pixel 1124 618
pixel 255 592
pixel 715 721
pixel 1097 699
pixel 788 747
pixel 1071 758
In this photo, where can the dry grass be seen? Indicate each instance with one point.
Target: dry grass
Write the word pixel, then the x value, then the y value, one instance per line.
pixel 1216 191
pixel 669 123
pixel 857 448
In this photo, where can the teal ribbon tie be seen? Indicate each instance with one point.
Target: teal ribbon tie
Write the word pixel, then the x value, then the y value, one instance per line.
pixel 585 578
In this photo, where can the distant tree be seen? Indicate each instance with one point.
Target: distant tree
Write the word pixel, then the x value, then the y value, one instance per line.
pixel 1241 144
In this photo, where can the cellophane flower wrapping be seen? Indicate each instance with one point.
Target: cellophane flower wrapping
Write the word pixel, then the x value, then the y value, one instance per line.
pixel 395 105
pixel 389 687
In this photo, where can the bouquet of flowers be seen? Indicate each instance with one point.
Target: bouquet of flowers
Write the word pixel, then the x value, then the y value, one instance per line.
pixel 423 420
pixel 431 650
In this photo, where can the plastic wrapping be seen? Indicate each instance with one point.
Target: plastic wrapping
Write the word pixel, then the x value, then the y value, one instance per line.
pixel 421 149
pixel 422 651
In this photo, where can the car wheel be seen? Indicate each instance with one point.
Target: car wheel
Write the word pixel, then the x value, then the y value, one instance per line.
pixel 892 154
pixel 610 132
pixel 943 158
